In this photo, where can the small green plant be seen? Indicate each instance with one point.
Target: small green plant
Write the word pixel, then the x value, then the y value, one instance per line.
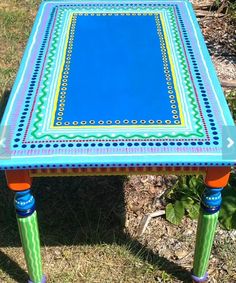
pixel 184 199
pixel 227 216
pixel 166 277
pixel 231 99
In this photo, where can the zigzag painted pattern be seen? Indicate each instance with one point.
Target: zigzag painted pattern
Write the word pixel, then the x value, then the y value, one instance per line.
pixel 205 236
pixel 29 234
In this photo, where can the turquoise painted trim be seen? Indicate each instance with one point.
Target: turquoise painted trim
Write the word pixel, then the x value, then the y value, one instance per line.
pixel 156 160
pixel 115 1
pixel 123 156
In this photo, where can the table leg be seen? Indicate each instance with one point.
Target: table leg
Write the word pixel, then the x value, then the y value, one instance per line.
pixel 27 224
pixel 216 179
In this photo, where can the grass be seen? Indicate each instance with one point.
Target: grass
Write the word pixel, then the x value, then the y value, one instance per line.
pixel 16 19
pixel 14 33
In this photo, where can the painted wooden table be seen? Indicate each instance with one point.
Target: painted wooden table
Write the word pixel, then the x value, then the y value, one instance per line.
pixel 115 87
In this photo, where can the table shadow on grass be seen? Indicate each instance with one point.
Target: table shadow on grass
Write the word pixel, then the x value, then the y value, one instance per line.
pixel 92 209
pixel 10 267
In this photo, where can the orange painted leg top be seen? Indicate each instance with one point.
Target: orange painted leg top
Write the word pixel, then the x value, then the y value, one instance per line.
pixel 217 177
pixel 18 180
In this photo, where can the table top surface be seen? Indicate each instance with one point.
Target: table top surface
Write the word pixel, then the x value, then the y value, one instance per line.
pixel 108 83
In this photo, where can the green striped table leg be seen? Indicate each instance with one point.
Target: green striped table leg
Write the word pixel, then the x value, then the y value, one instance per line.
pixel 29 234
pixel 208 218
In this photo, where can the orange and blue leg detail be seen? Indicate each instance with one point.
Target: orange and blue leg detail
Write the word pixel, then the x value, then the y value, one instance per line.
pixel 208 218
pixel 27 223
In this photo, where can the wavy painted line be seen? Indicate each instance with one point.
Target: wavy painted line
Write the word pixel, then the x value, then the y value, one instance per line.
pixel 187 78
pixel 46 76
pixel 23 223
pixel 34 246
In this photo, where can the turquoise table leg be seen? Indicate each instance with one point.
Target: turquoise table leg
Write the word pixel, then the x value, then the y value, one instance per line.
pixel 207 222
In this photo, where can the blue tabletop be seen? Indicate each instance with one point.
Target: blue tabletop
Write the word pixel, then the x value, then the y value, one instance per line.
pixel 115 84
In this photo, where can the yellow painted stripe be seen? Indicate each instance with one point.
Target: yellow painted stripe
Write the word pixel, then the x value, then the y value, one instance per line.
pixel 116 126
pixel 61 71
pixel 173 71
